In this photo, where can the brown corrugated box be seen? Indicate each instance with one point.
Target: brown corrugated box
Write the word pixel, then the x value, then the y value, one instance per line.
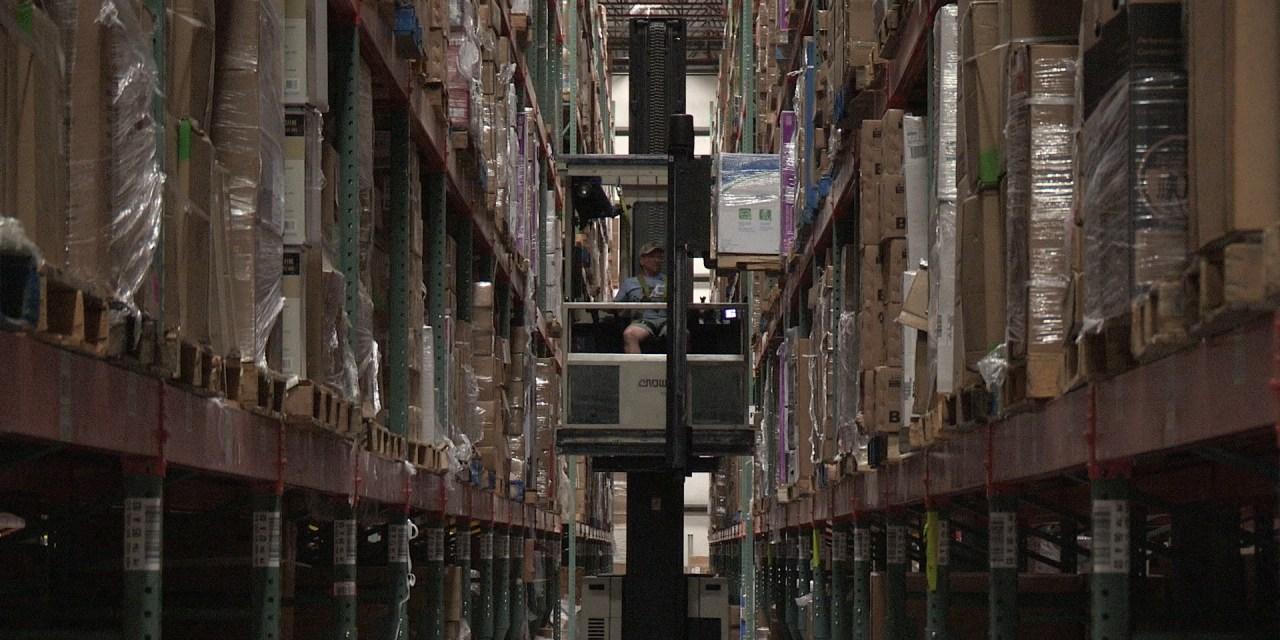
pixel 872 274
pixel 888 402
pixel 188 249
pixel 869 211
pixel 1233 60
pixel 982 286
pixel 1039 19
pixel 871 148
pixel 983 117
pixel 893 206
pixel 893 262
pixel 892 141
pixel 979 28
pixel 31 104
pixel 192 26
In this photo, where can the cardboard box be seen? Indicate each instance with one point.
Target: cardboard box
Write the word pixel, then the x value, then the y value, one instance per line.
pixel 888 403
pixel 869 211
pixel 305 47
pixel 293 317
pixel 192 30
pixel 303 177
pixel 982 285
pixel 188 249
pixel 891 153
pixel 979 28
pixel 893 262
pixel 983 120
pixel 32 186
pixel 1038 19
pixel 893 207
pixel 892 334
pixel 871 148
pixel 748 207
pixel 1234 137
pixel 872 272
pixel 915 307
pixel 871 337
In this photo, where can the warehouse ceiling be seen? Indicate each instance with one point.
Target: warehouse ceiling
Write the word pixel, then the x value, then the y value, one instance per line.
pixel 704 28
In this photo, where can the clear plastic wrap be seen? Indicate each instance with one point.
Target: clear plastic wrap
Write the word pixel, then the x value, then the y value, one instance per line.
pixel 942 298
pixel 248 133
pixel 1134 167
pixel 116 185
pixel 368 357
pixel 749 188
pixel 32 133
pixel 788 124
pixel 944 102
pixel 15 241
pixel 849 401
pixel 339 362
pixel 1040 144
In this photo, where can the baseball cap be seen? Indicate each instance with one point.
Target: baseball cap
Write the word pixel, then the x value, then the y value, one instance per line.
pixel 650 247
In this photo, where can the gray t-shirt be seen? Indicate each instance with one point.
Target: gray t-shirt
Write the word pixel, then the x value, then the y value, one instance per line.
pixel 631 291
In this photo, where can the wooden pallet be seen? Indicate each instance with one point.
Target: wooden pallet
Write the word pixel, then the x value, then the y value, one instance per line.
pixel 192 366
pixel 1230 285
pixel 134 343
pixel 312 404
pixel 381 441
pixel 71 317
pixel 427 457
pixel 1106 352
pixel 1159 321
pixel 256 389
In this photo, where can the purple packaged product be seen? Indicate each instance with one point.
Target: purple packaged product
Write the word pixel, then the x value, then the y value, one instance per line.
pixel 788 123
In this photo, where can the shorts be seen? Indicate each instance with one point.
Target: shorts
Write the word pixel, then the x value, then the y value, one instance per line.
pixel 655 327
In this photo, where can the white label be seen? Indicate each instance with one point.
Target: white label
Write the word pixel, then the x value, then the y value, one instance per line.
pixel 502 545
pixel 804 548
pixel 896 544
pixel 435 545
pixel 266 539
pixel 143 534
pixel 345 589
pixel 517 547
pixel 1002 532
pixel 861 545
pixel 944 543
pixel 398 543
pixel 293 349
pixel 295 60
pixel 486 546
pixel 344 542
pixel 1110 536
pixel 839 545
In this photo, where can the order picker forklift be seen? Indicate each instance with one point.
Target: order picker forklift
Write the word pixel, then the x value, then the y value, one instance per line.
pixel 699 371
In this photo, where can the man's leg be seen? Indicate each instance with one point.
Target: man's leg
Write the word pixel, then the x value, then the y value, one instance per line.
pixel 632 336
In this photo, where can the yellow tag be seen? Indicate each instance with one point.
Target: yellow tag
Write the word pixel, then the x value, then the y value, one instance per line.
pixel 931 550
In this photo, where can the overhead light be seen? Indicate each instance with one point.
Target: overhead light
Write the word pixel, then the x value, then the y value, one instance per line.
pixel 10 523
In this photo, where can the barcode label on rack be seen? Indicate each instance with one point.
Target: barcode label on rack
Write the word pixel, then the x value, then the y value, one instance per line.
pixel 464 547
pixel 861 545
pixel 944 543
pixel 1110 536
pixel 266 539
pixel 896 544
pixel 803 548
pixel 398 543
pixel 344 542
pixel 502 547
pixel 1003 542
pixel 435 545
pixel 143 534
pixel 839 546
pixel 486 546
pixel 344 589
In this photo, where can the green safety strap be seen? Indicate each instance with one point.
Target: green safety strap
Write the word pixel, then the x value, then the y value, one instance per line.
pixel 184 140
pixel 931 549
pixel 817 548
pixel 25 15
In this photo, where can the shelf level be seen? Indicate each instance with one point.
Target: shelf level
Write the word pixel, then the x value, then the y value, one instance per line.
pixel 71 399
pixel 1170 404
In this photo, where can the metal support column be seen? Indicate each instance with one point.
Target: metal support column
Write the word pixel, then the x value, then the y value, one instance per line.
pixel 501 584
pixel 1002 554
pixel 436 232
pixel 462 560
pixel 554 559
pixel 937 575
pixel 861 621
pixel 519 603
pixel 782 563
pixel 820 628
pixel 428 621
pixel 400 281
pixel 571 528
pixel 344 574
pixel 465 268
pixel 266 566
pixel 1109 582
pixel 143 548
pixel 345 56
pixel 896 577
pixel 840 601
pixel 792 585
pixel 400 531
pixel 482 610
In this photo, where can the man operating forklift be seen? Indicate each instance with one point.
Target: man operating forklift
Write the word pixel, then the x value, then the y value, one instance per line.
pixel 649 286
